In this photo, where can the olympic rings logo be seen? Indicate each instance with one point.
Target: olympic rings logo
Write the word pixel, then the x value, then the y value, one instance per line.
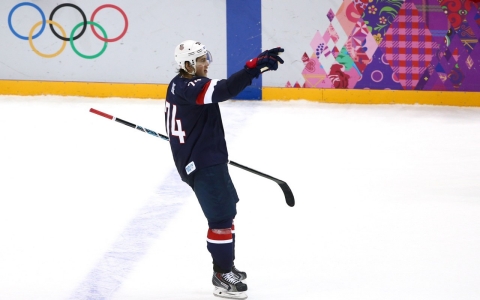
pixel 63 35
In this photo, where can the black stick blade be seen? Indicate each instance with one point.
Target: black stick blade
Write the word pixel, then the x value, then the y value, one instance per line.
pixel 283 185
pixel 288 193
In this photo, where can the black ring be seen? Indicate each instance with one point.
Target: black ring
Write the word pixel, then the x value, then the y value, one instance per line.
pixel 79 10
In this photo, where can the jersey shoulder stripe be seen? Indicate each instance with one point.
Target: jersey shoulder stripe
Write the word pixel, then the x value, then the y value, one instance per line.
pixel 206 94
pixel 201 96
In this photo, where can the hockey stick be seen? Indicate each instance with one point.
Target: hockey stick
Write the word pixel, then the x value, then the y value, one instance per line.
pixel 283 185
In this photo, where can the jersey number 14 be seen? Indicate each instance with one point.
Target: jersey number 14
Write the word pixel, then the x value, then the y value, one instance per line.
pixel 176 124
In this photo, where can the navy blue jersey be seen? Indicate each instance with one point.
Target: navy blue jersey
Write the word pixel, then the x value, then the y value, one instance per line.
pixel 194 123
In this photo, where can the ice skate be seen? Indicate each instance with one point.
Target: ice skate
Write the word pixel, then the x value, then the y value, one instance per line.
pixel 228 286
pixel 240 274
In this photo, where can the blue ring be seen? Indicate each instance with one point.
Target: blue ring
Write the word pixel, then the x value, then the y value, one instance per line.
pixel 26 4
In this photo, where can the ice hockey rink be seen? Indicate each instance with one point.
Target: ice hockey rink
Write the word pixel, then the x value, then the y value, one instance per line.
pixel 387 202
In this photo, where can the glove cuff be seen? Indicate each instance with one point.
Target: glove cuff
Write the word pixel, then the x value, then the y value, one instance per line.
pixel 251 64
pixel 255 72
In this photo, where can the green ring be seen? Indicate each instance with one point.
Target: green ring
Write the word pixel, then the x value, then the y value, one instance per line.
pixel 78 52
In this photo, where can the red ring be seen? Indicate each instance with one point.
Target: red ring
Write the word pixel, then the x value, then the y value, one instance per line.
pixel 124 17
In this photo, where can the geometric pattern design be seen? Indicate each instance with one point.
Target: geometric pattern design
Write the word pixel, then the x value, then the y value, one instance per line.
pixel 379 74
pixel 396 44
pixel 379 15
pixel 456 11
pixel 315 76
pixel 408 46
pixel 467 36
pixel 435 18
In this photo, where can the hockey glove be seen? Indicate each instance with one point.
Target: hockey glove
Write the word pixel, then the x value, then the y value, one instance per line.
pixel 267 60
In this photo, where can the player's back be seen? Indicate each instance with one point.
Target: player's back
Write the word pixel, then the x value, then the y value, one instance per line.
pixel 194 127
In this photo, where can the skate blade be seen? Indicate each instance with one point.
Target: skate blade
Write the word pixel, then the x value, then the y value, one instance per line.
pixel 222 293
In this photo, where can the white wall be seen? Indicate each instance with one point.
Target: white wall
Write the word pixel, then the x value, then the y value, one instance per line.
pixel 145 53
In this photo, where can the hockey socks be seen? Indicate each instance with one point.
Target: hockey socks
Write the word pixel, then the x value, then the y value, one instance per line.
pixel 220 246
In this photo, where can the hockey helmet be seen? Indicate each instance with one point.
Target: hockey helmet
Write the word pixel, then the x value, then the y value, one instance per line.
pixel 190 50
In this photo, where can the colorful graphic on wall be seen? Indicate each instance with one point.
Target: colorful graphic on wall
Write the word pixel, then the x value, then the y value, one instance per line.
pixel 397 44
pixel 63 36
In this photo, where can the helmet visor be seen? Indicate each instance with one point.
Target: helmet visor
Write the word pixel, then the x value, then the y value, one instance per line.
pixel 209 57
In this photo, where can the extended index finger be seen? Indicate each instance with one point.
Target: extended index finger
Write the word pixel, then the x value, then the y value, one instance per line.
pixel 276 51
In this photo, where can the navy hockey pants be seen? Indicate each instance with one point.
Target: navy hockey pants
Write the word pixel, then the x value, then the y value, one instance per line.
pixel 217 195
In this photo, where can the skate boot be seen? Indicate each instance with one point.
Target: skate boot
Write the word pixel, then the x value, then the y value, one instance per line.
pixel 240 274
pixel 228 286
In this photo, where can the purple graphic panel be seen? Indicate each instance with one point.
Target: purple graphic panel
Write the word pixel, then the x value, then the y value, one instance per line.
pixel 397 44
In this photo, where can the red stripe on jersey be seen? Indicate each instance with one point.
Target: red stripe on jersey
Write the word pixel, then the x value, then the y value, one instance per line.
pixel 201 97
pixel 219 234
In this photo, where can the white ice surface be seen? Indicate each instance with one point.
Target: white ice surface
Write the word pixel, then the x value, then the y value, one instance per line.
pixel 388 202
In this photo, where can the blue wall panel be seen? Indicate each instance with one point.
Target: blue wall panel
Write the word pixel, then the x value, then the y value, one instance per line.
pixel 244 40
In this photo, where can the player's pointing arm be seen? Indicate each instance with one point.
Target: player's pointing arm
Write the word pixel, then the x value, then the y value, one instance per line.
pixel 194 60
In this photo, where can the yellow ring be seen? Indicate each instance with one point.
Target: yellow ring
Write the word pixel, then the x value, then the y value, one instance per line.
pixel 30 39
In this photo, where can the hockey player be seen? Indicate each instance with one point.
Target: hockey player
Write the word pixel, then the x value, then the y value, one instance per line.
pixel 197 139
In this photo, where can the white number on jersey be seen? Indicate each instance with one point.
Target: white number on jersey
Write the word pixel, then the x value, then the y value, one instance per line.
pixel 176 124
pixel 193 82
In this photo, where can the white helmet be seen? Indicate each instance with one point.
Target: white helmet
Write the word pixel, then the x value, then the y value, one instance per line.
pixel 189 51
